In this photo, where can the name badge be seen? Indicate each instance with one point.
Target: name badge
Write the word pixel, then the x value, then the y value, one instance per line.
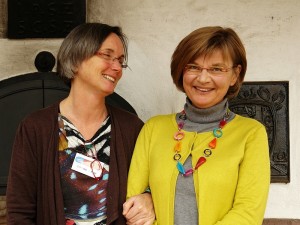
pixel 87 165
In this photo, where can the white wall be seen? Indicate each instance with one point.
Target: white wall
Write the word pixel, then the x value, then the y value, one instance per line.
pixel 269 30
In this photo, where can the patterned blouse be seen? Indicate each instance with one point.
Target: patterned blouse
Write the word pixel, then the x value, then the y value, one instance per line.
pixel 84 196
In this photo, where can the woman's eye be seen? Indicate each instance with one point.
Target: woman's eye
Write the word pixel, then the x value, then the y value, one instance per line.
pixel 107 55
pixel 191 67
pixel 216 69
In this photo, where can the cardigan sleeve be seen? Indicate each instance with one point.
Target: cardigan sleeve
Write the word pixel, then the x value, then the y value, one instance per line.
pixel 22 181
pixel 253 183
pixel 138 176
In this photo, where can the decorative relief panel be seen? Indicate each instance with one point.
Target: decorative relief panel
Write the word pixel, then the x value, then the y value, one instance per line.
pixel 267 102
pixel 44 18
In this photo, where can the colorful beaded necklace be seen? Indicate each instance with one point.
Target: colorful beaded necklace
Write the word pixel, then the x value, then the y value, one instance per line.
pixel 179 135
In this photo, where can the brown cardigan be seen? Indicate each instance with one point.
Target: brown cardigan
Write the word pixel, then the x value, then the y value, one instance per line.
pixel 34 194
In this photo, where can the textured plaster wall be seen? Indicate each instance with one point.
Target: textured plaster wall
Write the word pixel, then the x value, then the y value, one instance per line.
pixel 269 30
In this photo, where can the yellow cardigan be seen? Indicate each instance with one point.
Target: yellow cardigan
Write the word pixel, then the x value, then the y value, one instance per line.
pixel 231 187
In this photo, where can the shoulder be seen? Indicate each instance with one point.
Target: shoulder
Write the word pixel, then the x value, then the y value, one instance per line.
pixel 162 119
pixel 161 122
pixel 247 121
pixel 122 114
pixel 44 115
pixel 247 125
pixel 40 123
pixel 124 118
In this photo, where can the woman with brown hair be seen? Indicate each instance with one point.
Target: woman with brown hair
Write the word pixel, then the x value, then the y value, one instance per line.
pixel 204 165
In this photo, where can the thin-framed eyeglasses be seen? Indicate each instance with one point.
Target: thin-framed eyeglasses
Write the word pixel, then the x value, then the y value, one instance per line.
pixel 111 59
pixel 192 69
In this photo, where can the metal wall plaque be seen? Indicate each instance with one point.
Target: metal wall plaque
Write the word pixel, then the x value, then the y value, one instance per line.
pixel 44 18
pixel 268 103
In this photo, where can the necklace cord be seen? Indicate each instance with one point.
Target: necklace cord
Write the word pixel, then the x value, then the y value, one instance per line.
pixel 207 152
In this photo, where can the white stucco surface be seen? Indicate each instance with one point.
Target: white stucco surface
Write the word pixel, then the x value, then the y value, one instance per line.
pixel 269 29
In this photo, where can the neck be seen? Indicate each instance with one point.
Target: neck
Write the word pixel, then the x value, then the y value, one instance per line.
pixel 209 115
pixel 85 111
pixel 202 120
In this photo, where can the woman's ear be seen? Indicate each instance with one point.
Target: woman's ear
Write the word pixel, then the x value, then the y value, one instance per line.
pixel 236 74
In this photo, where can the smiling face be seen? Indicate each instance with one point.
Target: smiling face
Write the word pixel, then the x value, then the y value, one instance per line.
pixel 206 89
pixel 99 74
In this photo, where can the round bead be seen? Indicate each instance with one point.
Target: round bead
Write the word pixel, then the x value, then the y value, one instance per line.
pixel 177 156
pixel 179 135
pixel 182 117
pixel 218 132
pixel 207 152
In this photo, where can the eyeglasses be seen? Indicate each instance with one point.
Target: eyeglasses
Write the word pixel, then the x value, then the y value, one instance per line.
pixel 109 58
pixel 193 69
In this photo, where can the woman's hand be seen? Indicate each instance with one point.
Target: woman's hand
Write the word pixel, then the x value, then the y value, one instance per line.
pixel 138 210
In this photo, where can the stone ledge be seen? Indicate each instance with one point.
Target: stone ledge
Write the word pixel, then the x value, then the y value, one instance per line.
pixel 281 222
pixel 3 210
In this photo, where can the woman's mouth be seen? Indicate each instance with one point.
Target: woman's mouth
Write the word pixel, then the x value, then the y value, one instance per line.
pixel 107 77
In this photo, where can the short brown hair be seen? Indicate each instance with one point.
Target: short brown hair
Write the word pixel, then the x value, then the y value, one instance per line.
pixel 203 42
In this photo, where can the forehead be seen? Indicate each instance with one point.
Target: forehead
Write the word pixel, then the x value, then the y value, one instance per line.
pixel 113 44
pixel 215 57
